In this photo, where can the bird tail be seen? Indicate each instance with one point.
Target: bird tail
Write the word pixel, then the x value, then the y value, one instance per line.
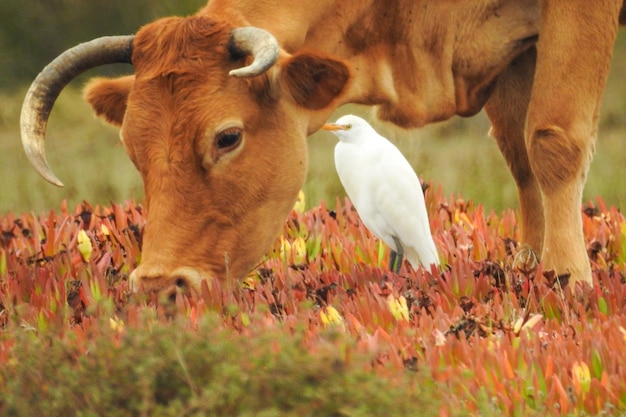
pixel 425 255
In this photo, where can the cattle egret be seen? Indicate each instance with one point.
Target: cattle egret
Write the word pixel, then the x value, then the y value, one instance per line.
pixel 384 190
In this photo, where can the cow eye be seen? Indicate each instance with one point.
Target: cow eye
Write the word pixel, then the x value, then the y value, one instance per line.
pixel 228 139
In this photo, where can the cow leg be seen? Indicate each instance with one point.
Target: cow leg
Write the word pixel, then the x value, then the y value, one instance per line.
pixel 507 108
pixel 574 52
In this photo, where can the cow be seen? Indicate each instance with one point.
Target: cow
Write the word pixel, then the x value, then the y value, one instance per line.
pixel 216 114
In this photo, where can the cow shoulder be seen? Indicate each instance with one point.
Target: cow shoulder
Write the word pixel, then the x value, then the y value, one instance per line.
pixel 108 97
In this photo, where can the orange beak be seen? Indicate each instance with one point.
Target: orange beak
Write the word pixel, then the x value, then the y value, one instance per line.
pixel 335 126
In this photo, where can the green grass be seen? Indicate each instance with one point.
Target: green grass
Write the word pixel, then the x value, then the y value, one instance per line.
pixel 458 155
pixel 82 151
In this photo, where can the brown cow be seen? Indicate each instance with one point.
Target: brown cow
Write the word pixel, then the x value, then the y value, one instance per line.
pixel 216 115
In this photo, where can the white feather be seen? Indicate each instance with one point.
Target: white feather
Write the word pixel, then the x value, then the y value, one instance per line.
pixel 385 190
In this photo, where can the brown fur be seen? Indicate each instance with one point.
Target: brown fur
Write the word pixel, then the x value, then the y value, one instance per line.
pixel 108 97
pixel 418 61
pixel 212 212
pixel 315 82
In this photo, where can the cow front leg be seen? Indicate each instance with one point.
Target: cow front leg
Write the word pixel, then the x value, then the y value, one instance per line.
pixel 574 52
pixel 507 109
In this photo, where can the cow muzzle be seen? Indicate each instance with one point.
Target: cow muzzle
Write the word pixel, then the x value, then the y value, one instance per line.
pixel 166 285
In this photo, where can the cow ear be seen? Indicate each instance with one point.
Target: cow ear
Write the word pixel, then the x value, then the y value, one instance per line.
pixel 108 97
pixel 314 81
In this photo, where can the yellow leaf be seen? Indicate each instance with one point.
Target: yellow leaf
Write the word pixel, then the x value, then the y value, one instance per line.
pixel 330 316
pixel 467 221
pixel 440 338
pixel 300 203
pixel 493 343
pixel 528 324
pixel 398 307
pixel 285 249
pixel 623 332
pixel 532 321
pixel 517 326
pixel 116 324
pixel 298 248
pixel 104 230
pixel 581 376
pixel 84 245
pixel 245 319
pixel 248 283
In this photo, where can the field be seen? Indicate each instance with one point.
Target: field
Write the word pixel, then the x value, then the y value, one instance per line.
pixel 320 327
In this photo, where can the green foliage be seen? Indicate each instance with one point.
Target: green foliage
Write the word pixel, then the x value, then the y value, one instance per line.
pixel 160 368
pixel 36 31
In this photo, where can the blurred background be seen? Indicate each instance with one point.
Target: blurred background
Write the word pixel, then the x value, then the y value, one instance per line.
pixel 457 155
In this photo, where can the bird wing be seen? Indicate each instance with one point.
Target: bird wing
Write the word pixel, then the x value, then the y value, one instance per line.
pixel 403 201
pixel 357 169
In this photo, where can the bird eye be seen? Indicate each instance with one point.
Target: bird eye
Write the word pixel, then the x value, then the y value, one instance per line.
pixel 348 127
pixel 228 139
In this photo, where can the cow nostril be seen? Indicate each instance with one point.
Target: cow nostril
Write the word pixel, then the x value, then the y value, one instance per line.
pixel 165 285
pixel 181 283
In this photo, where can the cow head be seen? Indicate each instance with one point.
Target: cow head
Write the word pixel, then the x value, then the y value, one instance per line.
pixel 215 118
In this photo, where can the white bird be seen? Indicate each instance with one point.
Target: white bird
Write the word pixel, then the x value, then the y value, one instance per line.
pixel 384 190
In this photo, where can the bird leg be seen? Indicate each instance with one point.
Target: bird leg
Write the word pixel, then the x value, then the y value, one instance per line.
pixel 395 259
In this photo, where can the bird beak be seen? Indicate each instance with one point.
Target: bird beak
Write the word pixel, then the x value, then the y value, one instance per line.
pixel 335 126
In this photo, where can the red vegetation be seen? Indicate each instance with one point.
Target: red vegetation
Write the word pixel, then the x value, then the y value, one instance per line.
pixel 493 327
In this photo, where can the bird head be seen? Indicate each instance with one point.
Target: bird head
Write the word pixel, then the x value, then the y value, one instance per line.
pixel 350 128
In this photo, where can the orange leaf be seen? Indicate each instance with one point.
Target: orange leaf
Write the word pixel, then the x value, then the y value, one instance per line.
pixel 549 367
pixel 563 398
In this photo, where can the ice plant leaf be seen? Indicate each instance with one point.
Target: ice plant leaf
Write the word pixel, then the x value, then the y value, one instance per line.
pixel 48 247
pixel 623 237
pixel 248 283
pixel 623 332
pixel 528 324
pixel 3 264
pixel 596 364
pixel 381 249
pixel 331 317
pixel 298 249
pixel 602 306
pixel 398 307
pixel 314 247
pixel 581 377
pixel 116 324
pixel 84 245
pixel 285 249
pixel 300 203
pixel 245 319
pixel 532 321
pixel 517 326
pixel 440 338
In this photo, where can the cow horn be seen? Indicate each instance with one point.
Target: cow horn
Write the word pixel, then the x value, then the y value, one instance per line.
pixel 257 42
pixel 48 85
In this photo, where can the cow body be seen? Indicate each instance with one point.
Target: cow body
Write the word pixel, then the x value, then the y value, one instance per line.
pixel 222 158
